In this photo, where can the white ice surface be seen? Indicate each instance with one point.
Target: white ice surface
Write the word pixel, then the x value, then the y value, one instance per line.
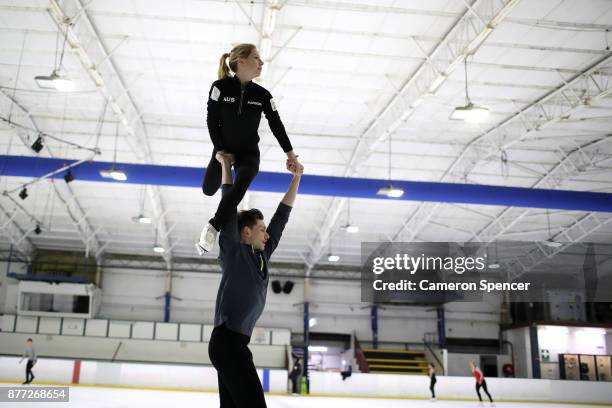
pixel 100 397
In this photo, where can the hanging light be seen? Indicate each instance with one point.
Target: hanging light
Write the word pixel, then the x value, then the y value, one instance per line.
pixel 55 81
pixel 348 227
pixel 495 264
pixel 352 229
pixel 37 230
pixel 114 173
pixel 23 194
pixel 333 258
pixel 156 247
pixel 390 191
pixel 550 242
pixel 469 113
pixel 141 219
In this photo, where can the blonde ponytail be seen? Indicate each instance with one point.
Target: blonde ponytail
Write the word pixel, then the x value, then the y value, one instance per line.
pixel 239 51
pixel 224 71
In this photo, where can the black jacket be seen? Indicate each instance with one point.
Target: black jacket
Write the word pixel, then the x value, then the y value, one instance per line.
pixel 234 113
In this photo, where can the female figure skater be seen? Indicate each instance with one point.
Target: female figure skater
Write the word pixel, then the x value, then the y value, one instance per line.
pixel 480 382
pixel 432 382
pixel 234 108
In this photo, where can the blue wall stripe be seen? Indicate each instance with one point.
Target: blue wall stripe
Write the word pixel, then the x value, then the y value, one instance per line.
pixel 266 380
pixel 25 166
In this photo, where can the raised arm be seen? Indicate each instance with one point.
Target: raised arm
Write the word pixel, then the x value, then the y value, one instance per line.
pixel 281 216
pixel 289 198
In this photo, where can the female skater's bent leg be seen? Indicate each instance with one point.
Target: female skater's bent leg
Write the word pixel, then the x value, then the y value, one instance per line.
pixel 212 177
pixel 245 173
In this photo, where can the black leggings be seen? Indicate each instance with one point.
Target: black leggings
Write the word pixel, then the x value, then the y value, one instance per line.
pixel 483 384
pixel 29 374
pixel 246 167
pixel 431 387
pixel 239 385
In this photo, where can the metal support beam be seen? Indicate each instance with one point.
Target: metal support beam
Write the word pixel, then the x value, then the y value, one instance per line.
pixel 572 234
pixel 585 89
pixel 17 236
pixel 571 164
pixel 73 207
pixel 464 38
pixel 88 47
pixel 79 217
pixel 268 26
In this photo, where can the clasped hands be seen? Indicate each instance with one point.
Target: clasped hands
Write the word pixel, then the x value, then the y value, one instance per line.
pixel 292 163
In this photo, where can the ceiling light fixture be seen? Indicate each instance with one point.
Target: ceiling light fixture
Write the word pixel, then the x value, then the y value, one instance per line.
pixel 114 173
pixel 141 219
pixel 55 81
pixel 333 258
pixel 156 247
pixel 469 113
pixel 550 242
pixel 348 227
pixel 352 229
pixel 389 190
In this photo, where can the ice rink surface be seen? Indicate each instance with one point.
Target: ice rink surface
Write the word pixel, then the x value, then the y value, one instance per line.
pixel 103 397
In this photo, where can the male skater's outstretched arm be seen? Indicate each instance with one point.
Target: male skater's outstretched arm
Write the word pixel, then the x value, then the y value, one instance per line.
pixel 281 216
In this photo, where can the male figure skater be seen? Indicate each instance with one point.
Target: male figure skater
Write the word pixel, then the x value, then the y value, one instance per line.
pixel 30 353
pixel 245 247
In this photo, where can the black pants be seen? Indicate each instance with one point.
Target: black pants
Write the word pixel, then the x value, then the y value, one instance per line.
pixel 483 384
pixel 239 385
pixel 246 167
pixel 295 383
pixel 29 374
pixel 432 384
